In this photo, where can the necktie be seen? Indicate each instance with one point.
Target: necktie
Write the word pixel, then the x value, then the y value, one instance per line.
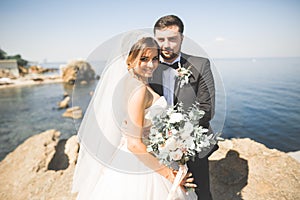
pixel 174 65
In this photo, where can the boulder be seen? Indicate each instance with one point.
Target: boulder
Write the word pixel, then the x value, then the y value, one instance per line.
pixel 74 112
pixel 78 70
pixel 31 171
pixel 245 169
pixel 64 103
pixel 43 166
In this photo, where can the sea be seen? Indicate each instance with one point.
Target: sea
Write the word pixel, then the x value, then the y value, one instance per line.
pixel 257 98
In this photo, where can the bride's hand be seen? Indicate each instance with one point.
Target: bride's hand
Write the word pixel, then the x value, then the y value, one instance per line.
pixel 171 175
pixel 187 182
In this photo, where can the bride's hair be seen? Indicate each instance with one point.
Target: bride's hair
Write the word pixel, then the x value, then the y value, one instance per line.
pixel 139 48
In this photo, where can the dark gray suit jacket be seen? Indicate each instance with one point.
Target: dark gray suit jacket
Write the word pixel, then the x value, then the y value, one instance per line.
pixel 200 88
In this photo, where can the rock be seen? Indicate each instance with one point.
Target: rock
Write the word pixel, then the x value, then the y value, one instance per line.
pixel 74 112
pixel 245 169
pixel 64 103
pixel 6 73
pixel 40 79
pixel 78 70
pixel 25 172
pixel 65 94
pixel 23 70
pixel 239 169
pixel 37 69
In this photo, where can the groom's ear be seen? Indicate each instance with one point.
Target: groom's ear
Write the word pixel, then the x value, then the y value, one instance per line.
pixel 182 36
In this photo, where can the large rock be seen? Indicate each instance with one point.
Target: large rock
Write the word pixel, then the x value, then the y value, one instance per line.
pixel 245 169
pixel 42 168
pixel 78 70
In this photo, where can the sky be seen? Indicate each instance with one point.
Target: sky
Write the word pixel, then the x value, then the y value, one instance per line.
pixel 62 30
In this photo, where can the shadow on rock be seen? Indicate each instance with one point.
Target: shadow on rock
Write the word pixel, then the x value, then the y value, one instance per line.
pixel 228 176
pixel 60 160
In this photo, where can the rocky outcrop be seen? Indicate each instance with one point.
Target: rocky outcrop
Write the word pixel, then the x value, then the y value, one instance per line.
pixel 78 70
pixel 245 169
pixel 42 168
pixel 37 69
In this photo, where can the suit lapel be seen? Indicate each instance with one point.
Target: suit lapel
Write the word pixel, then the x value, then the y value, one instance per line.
pixel 156 82
pixel 184 63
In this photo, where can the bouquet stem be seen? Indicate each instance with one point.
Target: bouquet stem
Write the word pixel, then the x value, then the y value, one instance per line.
pixel 183 169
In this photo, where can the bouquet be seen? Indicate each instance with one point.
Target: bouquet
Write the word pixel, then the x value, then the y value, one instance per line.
pixel 176 137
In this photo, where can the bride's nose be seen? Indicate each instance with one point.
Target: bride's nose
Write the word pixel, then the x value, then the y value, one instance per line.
pixel 150 64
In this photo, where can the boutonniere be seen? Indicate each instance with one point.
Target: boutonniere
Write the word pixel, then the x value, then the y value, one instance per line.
pixel 183 75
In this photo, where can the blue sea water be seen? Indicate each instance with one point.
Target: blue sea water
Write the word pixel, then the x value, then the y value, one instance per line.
pixel 262 103
pixel 263 100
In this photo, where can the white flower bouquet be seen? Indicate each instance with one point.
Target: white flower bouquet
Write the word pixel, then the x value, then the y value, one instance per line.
pixel 175 135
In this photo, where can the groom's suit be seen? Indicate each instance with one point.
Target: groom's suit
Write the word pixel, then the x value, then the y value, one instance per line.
pixel 200 88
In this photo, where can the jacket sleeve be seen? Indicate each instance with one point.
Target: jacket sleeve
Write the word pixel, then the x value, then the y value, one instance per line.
pixel 206 92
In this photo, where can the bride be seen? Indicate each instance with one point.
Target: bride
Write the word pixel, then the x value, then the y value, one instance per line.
pixel 113 162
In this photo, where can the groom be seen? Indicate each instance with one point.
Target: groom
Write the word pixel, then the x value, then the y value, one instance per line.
pixel 168 31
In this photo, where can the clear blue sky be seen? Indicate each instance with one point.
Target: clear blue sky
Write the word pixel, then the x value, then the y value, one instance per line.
pixel 60 30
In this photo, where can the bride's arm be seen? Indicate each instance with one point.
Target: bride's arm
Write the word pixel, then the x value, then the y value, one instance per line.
pixel 136 108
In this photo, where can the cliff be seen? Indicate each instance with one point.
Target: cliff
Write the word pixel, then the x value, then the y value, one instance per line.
pixel 42 168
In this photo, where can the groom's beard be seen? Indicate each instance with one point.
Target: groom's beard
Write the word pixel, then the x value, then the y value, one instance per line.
pixel 170 56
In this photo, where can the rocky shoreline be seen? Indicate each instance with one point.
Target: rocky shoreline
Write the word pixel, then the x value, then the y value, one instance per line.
pixel 42 168
pixel 30 80
pixel 75 70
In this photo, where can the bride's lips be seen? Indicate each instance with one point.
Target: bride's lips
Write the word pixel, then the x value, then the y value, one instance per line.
pixel 150 71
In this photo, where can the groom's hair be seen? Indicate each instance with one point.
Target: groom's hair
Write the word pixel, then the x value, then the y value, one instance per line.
pixel 169 20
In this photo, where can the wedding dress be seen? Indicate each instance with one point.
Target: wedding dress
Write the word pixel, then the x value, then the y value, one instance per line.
pixel 115 184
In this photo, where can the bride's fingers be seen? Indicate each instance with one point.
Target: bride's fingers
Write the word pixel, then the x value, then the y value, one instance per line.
pixel 190 185
pixel 189 180
pixel 189 175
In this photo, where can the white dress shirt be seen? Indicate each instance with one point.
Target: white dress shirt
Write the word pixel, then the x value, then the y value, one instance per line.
pixel 169 76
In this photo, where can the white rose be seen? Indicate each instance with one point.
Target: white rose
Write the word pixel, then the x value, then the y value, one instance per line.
pixel 171 144
pixel 175 117
pixel 189 143
pixel 176 155
pixel 187 130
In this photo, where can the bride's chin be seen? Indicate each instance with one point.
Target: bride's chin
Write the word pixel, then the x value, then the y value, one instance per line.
pixel 149 74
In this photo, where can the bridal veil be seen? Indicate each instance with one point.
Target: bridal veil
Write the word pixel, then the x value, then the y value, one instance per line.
pixel 100 133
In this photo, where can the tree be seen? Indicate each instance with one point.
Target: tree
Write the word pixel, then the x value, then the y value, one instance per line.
pixel 2 54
